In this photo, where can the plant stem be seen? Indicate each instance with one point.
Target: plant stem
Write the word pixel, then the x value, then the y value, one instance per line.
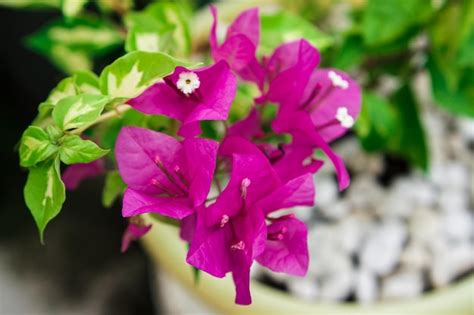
pixel 116 112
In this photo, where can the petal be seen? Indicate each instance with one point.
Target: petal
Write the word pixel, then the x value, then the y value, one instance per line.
pixel 247 128
pixel 300 126
pixel 248 24
pixel 200 161
pixel 289 70
pixel 296 161
pixel 217 91
pixel 135 203
pixel 75 174
pixel 161 99
pixel 289 255
pixel 188 227
pixel 253 167
pixel 133 232
pixel 136 151
pixel 296 192
pixel 250 229
pixel 210 249
pixel 325 108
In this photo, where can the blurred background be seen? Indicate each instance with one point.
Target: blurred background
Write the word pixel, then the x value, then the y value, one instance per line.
pixel 405 227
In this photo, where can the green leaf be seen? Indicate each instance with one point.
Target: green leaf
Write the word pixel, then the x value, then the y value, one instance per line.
pixel 411 142
pixel 75 150
pixel 35 146
pixel 54 133
pixel 71 43
pixel 114 187
pixel 44 193
pixel 351 53
pixel 455 95
pixel 72 8
pixel 284 27
pixel 78 111
pixel 30 3
pixel 66 87
pixel 162 26
pixel 130 74
pixel 86 82
pixel 385 20
pixel 393 127
pixel 376 123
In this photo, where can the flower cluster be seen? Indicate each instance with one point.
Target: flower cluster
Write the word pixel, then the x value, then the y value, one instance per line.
pixel 173 175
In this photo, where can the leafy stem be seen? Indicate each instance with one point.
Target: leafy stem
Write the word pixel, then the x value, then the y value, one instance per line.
pixel 116 112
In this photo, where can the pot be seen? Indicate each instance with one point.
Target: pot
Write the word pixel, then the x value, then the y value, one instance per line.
pixel 213 295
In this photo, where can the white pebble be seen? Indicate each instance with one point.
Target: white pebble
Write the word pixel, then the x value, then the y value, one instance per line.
pixel 304 288
pixel 366 287
pixel 403 285
pixel 382 251
pixel 416 255
pixel 458 225
pixel 451 262
pixel 338 285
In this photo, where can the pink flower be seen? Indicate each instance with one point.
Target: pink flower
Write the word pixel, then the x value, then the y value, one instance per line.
pixel 240 45
pixel 286 248
pixel 134 231
pixel 76 173
pixel 231 232
pixel 190 96
pixel 161 172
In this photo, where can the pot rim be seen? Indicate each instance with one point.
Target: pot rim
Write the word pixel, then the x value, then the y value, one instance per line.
pixel 166 249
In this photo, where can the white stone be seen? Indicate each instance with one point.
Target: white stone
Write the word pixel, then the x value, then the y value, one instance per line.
pixel 382 250
pixel 303 213
pixel 338 285
pixel 451 175
pixel 424 225
pixel 416 255
pixel 364 192
pixel 304 288
pixel 458 224
pixel 451 262
pixel 402 285
pixel 366 287
pixel 337 210
pixel 451 199
pixel 466 127
pixel 326 191
pixel 351 232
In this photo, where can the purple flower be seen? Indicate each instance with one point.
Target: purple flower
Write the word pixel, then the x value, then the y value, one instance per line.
pixel 286 248
pixel 231 232
pixel 190 96
pixel 240 45
pixel 162 173
pixel 134 231
pixel 76 173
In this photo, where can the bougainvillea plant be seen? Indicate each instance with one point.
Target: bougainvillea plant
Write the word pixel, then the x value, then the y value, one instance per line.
pixel 223 189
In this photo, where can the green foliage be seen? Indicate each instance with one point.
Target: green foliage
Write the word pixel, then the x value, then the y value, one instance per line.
pixel 393 127
pixel 76 150
pixel 161 27
pixel 44 193
pixel 284 27
pixel 78 110
pixel 132 73
pixel 72 8
pixel 114 187
pixel 70 44
pixel 385 20
pixel 36 146
pixel 32 4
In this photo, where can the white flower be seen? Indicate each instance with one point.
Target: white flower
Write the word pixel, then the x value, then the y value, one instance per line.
pixel 337 80
pixel 346 120
pixel 188 82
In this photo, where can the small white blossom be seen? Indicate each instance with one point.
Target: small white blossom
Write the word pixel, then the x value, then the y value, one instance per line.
pixel 342 115
pixel 337 80
pixel 188 82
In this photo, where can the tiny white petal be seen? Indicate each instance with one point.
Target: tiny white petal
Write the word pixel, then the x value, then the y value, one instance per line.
pixel 188 82
pixel 337 80
pixel 343 116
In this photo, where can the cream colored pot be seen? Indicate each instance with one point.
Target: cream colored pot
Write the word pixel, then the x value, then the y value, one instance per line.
pixel 165 248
